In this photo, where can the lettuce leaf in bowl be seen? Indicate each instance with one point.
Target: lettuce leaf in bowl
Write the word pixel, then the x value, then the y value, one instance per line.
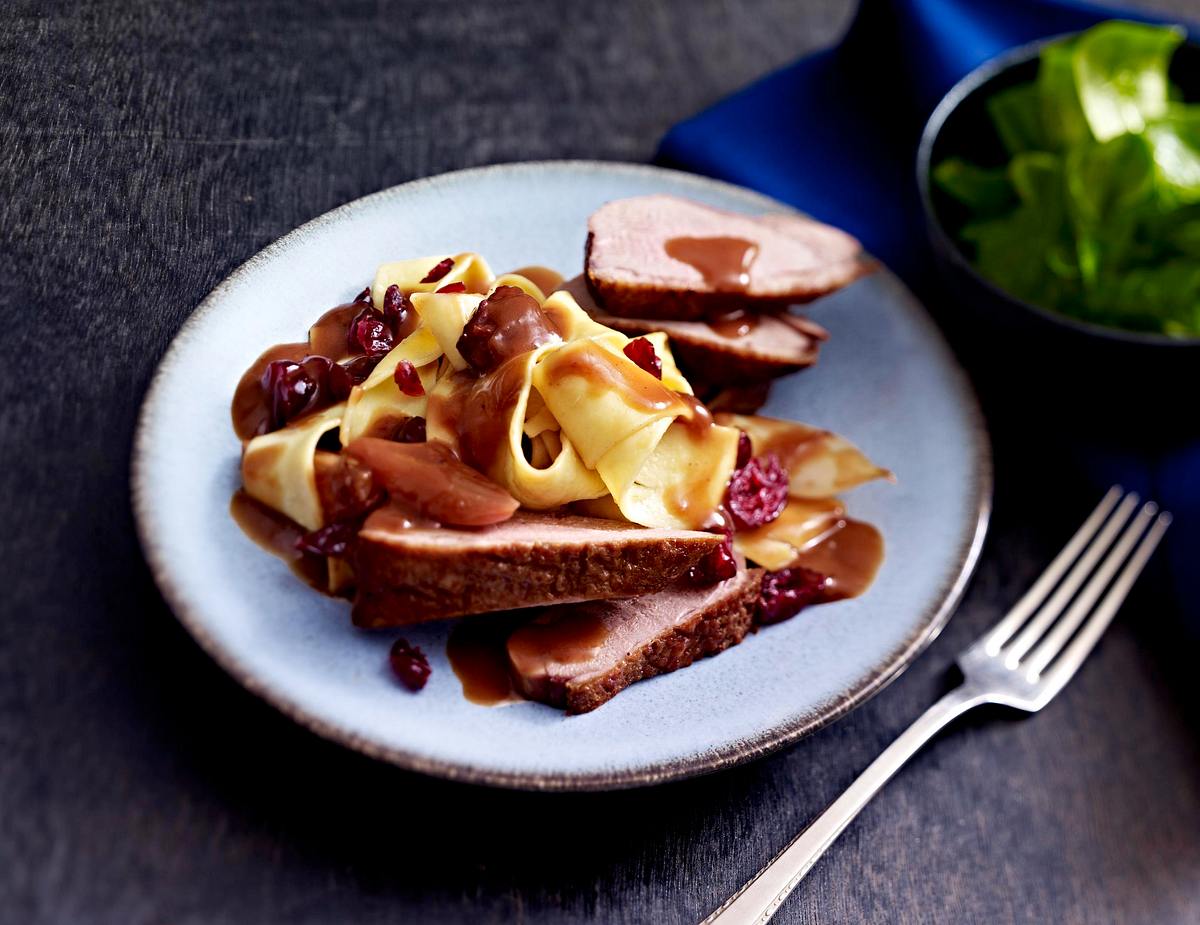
pixel 1096 213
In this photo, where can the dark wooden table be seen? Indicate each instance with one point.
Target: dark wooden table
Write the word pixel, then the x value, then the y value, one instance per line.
pixel 148 148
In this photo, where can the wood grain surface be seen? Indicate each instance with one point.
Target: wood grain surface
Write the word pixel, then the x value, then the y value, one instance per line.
pixel 148 148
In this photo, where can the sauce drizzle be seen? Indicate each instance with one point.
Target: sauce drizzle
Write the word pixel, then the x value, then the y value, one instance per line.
pixel 588 361
pixel 544 278
pixel 477 654
pixel 723 262
pixel 735 324
pixel 277 534
pixel 850 557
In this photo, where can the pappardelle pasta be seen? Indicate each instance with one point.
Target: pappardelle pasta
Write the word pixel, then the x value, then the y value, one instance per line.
pixel 573 420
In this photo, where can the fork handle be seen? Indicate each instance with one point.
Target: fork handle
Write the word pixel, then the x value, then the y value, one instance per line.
pixel 757 901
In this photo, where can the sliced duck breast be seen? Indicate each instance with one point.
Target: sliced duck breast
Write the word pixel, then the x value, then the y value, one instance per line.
pixel 669 258
pixel 408 573
pixel 579 656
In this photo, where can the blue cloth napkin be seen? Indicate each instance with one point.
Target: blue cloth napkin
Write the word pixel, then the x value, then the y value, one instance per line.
pixel 835 134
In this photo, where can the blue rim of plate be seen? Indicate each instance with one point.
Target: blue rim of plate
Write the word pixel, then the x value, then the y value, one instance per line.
pixel 736 753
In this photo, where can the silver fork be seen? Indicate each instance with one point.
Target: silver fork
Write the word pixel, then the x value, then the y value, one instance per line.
pixel 1022 662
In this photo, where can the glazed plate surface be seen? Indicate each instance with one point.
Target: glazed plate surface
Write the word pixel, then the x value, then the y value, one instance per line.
pixel 886 380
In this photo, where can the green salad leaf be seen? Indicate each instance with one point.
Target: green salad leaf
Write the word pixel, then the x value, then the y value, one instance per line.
pixel 983 190
pixel 1097 212
pixel 1121 71
pixel 1017 115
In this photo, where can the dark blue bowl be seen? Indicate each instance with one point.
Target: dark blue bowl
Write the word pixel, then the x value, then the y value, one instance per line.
pixel 1075 360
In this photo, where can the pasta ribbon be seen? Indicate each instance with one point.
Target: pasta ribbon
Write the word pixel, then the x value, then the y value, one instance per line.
pixel 446 314
pixel 278 468
pixel 600 397
pixel 485 420
pixel 379 400
pixel 469 269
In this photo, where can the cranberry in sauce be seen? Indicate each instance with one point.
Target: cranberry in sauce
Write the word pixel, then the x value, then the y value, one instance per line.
pixel 407 379
pixel 720 563
pixel 336 376
pixel 289 391
pixel 295 389
pixel 757 492
pixel 330 540
pixel 411 431
pixel 409 664
pixel 788 591
pixel 642 352
pixel 397 310
pixel 745 449
pixel 369 334
pixel 360 368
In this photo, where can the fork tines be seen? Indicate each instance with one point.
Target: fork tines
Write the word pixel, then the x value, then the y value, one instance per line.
pixel 1036 631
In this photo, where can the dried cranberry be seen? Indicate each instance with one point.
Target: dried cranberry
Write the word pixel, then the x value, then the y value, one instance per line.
pixel 330 540
pixel 453 287
pixel 294 389
pixel 786 592
pixel 440 269
pixel 716 565
pixel 745 449
pixel 339 379
pixel 757 492
pixel 641 351
pixel 397 309
pixel 360 368
pixel 290 390
pixel 409 664
pixel 411 431
pixel 369 334
pixel 364 296
pixel 407 379
pixel 333 382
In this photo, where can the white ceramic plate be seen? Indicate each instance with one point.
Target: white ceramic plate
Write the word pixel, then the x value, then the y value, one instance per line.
pixel 886 380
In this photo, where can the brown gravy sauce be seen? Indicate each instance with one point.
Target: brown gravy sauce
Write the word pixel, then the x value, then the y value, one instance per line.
pixel 277 534
pixel 544 278
pixel 562 637
pixel 478 654
pixel 850 557
pixel 698 421
pixel 482 418
pixel 327 337
pixel 723 262
pixel 793 446
pixel 734 325
pixel 484 650
pixel 513 324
